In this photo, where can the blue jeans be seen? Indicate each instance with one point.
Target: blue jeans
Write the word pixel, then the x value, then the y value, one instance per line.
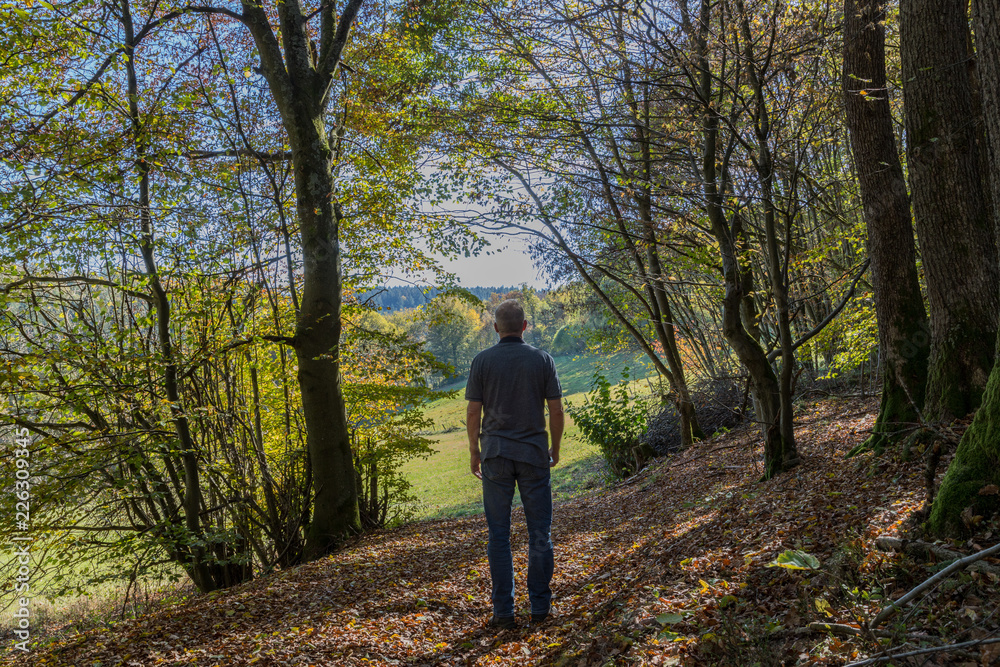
pixel 499 477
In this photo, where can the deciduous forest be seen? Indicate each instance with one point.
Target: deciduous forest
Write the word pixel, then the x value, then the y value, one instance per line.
pixel 232 354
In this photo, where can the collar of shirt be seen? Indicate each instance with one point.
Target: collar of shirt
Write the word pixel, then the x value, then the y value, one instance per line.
pixel 511 339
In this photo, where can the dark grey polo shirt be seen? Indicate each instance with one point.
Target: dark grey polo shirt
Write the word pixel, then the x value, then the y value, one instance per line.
pixel 513 380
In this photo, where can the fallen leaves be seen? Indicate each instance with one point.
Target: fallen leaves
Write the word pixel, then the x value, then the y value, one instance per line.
pixel 653 573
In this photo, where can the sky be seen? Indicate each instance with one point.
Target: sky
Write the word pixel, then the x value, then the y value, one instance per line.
pixel 509 264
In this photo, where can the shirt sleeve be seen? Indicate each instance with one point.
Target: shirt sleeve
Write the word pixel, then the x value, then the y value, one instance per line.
pixel 553 389
pixel 474 387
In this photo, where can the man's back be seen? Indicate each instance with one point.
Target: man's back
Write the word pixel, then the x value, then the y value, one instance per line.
pixel 513 380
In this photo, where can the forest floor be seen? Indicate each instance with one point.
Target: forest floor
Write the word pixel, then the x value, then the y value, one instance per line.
pixel 669 567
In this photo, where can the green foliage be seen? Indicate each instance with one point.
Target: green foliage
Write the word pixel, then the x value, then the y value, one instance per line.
pixel 566 341
pixel 794 559
pixel 449 326
pixel 613 418
pixel 385 394
pixel 847 342
pixel 84 344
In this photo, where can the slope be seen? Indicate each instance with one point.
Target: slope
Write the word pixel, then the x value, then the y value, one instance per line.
pixel 666 568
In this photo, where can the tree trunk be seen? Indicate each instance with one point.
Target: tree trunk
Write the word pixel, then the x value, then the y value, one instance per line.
pixel 197 560
pixel 904 334
pixel 654 279
pixel 298 76
pixel 317 347
pixel 956 234
pixel 777 273
pixel 977 461
pixel 663 324
pixel 778 454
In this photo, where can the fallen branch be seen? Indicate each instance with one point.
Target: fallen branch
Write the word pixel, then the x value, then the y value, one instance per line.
pixel 927 551
pixel 959 564
pixel 924 651
pixel 835 628
pixel 851 631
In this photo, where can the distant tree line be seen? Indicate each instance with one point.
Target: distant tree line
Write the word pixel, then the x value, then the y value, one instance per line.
pixel 454 325
pixel 401 297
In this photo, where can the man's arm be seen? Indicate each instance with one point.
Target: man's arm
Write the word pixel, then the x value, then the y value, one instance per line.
pixel 557 421
pixel 473 422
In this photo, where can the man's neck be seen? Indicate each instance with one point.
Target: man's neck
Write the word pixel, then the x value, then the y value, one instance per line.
pixel 511 338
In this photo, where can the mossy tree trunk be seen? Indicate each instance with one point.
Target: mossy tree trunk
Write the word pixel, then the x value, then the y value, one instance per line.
pixel 954 227
pixel 299 74
pixel 976 465
pixel 904 333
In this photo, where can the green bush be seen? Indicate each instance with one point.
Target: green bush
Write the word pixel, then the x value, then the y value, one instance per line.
pixel 613 418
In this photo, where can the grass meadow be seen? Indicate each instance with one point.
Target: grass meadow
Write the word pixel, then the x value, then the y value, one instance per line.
pixel 443 483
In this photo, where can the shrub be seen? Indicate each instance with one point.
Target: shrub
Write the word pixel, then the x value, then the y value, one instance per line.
pixel 614 419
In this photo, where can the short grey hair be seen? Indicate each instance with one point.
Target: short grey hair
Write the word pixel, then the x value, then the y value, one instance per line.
pixel 509 317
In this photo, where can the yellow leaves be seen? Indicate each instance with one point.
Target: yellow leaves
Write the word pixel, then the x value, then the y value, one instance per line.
pixel 823 607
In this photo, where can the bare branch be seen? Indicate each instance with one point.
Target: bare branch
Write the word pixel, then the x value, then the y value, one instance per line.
pixel 924 651
pixel 85 280
pixel 829 318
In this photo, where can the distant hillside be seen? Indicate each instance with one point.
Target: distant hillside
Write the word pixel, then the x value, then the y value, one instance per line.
pixel 402 297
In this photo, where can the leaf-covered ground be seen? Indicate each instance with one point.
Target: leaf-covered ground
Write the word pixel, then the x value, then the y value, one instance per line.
pixel 666 568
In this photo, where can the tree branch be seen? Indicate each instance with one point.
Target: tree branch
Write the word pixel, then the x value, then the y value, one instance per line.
pixel 959 564
pixel 924 651
pixel 829 318
pixel 29 279
pixel 239 152
pixel 333 42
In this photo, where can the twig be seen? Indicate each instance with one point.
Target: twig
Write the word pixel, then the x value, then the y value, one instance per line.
pixel 851 631
pixel 835 628
pixel 924 651
pixel 957 565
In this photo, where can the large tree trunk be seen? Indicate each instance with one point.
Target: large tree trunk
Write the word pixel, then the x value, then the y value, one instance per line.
pixel 977 461
pixel 317 346
pixel 299 76
pixel 904 333
pixel 956 233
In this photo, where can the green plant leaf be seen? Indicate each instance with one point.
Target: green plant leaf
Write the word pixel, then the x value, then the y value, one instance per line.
pixel 793 559
pixel 823 606
pixel 669 619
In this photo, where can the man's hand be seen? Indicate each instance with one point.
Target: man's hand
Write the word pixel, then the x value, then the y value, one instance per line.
pixel 556 425
pixel 473 421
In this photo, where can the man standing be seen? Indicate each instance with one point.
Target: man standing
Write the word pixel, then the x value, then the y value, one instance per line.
pixel 509 385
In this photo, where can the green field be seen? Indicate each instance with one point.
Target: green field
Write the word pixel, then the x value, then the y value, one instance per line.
pixel 445 487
